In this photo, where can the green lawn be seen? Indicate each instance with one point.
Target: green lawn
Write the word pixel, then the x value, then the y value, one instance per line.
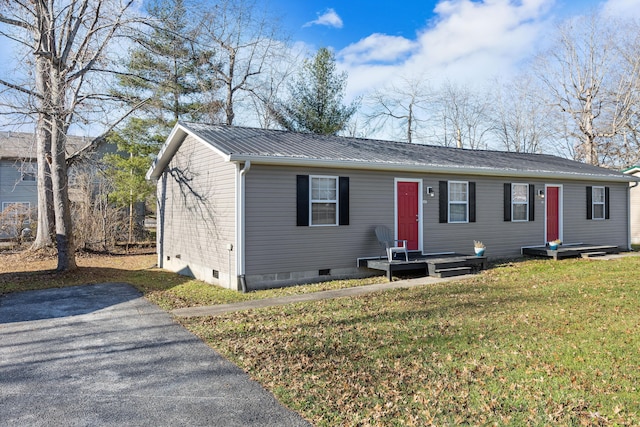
pixel 533 343
pixel 539 343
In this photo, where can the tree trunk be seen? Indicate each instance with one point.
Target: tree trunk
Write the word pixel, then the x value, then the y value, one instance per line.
pixel 45 229
pixel 59 178
pixel 230 114
pixel 131 213
pixel 410 124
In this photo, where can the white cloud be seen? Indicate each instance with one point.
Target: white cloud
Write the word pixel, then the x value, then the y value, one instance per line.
pixel 467 41
pixel 622 8
pixel 377 48
pixel 329 18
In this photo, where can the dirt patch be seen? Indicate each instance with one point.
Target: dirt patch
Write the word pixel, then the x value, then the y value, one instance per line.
pixel 25 261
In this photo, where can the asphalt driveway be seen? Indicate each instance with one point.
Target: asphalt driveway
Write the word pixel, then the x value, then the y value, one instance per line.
pixel 101 355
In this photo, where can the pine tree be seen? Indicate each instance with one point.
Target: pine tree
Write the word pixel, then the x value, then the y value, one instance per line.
pixel 168 74
pixel 316 101
pixel 127 173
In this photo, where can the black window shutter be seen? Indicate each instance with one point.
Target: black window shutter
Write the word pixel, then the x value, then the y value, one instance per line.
pixel 343 200
pixel 606 202
pixel 507 201
pixel 472 202
pixel 589 203
pixel 443 194
pixel 302 200
pixel 532 204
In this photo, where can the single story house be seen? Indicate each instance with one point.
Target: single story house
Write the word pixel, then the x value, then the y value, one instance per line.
pixel 264 208
pixel 634 205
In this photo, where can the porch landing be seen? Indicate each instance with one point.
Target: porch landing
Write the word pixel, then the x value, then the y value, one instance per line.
pixel 571 251
pixel 442 265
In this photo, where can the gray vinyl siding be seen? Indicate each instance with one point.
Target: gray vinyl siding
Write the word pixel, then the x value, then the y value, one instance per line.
pixel 502 238
pixel 578 228
pixel 635 213
pixel 276 245
pixel 199 222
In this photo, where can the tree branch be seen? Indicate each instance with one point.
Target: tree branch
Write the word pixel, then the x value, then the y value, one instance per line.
pixel 20 89
pixel 96 142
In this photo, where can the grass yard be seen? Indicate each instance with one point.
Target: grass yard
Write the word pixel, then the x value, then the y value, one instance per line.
pixel 535 343
pixel 531 343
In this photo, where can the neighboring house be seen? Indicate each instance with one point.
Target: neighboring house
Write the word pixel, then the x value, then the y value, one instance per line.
pixel 18 179
pixel 267 208
pixel 635 205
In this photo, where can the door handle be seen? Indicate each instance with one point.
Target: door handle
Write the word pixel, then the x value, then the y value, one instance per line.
pixel 417 218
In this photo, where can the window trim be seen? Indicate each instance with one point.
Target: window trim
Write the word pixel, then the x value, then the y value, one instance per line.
pixel 513 202
pixel 335 201
pixel 594 203
pixel 465 203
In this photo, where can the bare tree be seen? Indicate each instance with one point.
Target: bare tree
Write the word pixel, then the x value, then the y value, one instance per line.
pixel 592 74
pixel 245 39
pixel 462 117
pixel 521 121
pixel 271 84
pixel 65 42
pixel 400 107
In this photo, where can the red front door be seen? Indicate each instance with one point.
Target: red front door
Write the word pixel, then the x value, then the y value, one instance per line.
pixel 553 213
pixel 407 202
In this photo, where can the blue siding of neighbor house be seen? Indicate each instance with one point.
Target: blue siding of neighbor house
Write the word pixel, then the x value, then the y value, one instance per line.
pixel 13 189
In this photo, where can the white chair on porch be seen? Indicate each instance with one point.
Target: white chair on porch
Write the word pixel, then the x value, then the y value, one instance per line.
pixel 390 244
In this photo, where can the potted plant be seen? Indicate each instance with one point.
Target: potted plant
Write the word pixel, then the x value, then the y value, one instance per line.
pixel 553 245
pixel 478 248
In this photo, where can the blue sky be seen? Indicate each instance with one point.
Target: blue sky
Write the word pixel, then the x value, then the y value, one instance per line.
pixel 465 41
pixel 360 18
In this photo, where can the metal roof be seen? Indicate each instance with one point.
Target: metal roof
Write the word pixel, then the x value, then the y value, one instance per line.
pixel 238 144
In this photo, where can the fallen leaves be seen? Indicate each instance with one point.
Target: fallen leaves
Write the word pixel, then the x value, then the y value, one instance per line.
pixel 434 356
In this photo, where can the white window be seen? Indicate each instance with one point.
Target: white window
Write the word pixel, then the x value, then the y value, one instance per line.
pixel 324 200
pixel 519 202
pixel 598 202
pixel 458 201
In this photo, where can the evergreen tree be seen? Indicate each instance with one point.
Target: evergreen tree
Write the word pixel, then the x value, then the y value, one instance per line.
pixel 167 73
pixel 127 173
pixel 315 104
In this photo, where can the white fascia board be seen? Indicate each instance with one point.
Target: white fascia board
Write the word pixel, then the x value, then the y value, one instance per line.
pixel 447 170
pixel 168 149
pixel 171 146
pixel 632 170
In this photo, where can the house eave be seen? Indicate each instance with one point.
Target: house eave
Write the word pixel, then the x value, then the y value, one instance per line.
pixel 171 146
pixel 421 168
